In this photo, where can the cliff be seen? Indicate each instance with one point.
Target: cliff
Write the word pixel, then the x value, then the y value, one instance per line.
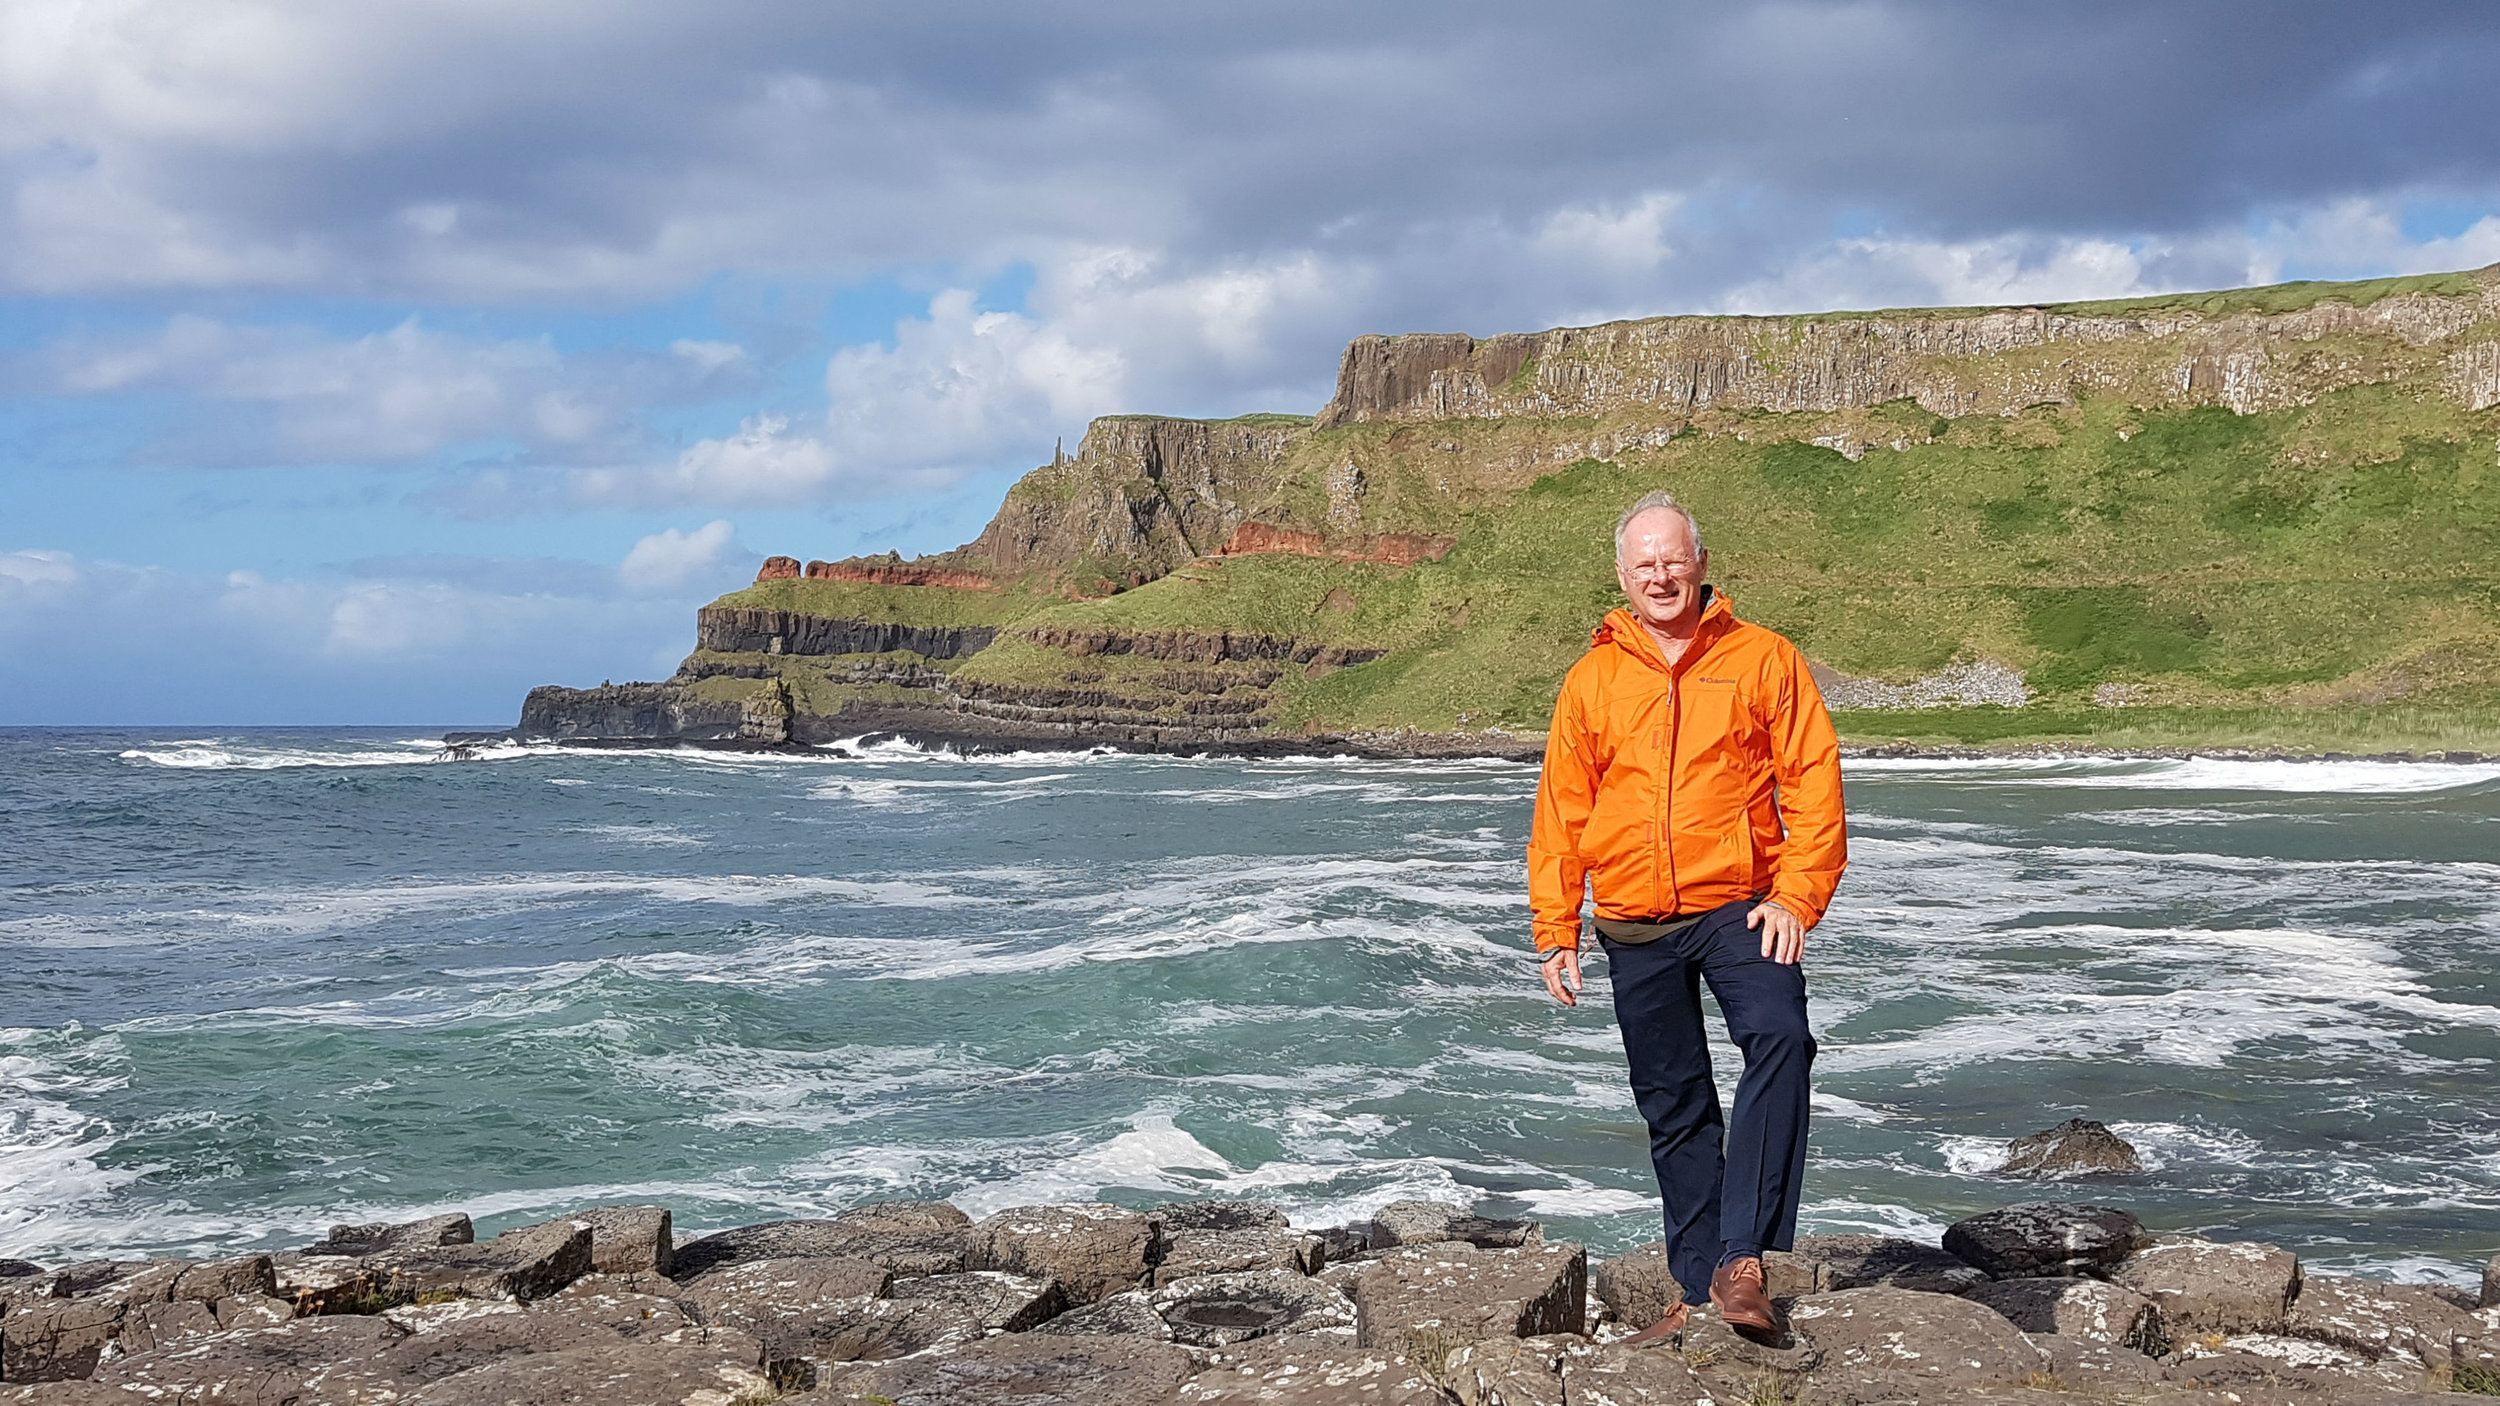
pixel 2262 517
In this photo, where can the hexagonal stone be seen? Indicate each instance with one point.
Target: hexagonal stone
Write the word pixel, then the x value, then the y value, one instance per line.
pixel 2046 1238
pixel 1424 1301
pixel 691 1366
pixel 908 1237
pixel 1309 1372
pixel 1093 1250
pixel 628 1241
pixel 1838 1262
pixel 1028 1369
pixel 2378 1320
pixel 2089 1309
pixel 529 1263
pixel 2211 1286
pixel 1189 1253
pixel 827 1310
pixel 1638 1286
pixel 1121 1315
pixel 53 1340
pixel 332 1358
pixel 1178 1216
pixel 357 1240
pixel 1508 1372
pixel 999 1301
pixel 1218 1309
pixel 1435 1222
pixel 1887 1344
pixel 1615 1375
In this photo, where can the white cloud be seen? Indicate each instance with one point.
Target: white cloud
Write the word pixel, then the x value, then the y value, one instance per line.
pixel 38 569
pixel 669 559
pixel 708 356
pixel 253 648
pixel 1878 273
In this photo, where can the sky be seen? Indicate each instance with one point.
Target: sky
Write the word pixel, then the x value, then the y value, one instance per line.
pixel 373 363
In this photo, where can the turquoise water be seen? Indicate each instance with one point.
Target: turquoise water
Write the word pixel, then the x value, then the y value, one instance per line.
pixel 254 983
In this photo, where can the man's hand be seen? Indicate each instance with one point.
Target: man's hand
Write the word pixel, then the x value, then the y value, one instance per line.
pixel 1562 965
pixel 1783 935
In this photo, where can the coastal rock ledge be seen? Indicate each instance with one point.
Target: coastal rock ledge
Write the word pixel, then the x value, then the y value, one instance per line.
pixel 918 1304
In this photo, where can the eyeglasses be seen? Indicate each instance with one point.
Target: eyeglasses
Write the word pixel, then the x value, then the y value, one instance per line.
pixel 1653 570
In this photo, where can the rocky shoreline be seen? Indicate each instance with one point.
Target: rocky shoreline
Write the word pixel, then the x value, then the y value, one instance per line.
pixel 1426 1304
pixel 1404 746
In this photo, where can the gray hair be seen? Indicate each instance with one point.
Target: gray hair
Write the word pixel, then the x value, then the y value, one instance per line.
pixel 1651 502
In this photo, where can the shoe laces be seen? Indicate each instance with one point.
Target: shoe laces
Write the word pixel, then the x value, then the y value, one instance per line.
pixel 1746 1269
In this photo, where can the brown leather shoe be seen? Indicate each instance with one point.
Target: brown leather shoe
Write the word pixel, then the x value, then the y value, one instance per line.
pixel 1736 1290
pixel 1664 1330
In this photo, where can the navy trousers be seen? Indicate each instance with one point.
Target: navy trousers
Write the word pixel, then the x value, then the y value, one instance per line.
pixel 1724 1183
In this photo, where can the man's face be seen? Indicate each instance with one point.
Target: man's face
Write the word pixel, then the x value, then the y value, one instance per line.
pixel 1661 570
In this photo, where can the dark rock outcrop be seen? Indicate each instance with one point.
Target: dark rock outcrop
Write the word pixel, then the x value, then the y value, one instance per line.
pixel 2046 1238
pixel 740 630
pixel 1836 1262
pixel 2076 1147
pixel 627 711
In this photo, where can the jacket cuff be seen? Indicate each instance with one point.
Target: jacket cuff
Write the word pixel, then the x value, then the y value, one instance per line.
pixel 1552 935
pixel 1807 910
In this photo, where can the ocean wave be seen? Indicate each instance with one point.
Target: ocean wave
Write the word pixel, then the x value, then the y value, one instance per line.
pixel 48 1147
pixel 228 756
pixel 2187 773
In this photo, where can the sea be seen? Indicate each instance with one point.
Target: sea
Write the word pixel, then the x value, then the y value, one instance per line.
pixel 257 982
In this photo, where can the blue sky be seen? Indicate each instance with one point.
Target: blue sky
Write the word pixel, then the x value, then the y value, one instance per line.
pixel 374 363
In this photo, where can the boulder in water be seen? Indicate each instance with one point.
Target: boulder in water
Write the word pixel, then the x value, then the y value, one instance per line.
pixel 2075 1148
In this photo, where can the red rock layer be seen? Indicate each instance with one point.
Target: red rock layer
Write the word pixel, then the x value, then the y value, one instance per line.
pixel 880 573
pixel 779 569
pixel 1395 548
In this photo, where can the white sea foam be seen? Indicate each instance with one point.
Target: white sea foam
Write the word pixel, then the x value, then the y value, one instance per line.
pixel 2186 773
pixel 48 1147
pixel 214 757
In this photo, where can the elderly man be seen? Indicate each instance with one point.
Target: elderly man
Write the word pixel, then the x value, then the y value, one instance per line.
pixel 1692 774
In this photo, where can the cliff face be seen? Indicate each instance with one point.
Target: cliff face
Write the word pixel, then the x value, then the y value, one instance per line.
pixel 1982 363
pixel 729 630
pixel 1142 495
pixel 2097 508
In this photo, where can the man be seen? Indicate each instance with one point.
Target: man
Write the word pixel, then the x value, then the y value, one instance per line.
pixel 1692 774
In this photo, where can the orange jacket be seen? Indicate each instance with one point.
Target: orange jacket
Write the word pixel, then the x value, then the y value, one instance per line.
pixel 1677 788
